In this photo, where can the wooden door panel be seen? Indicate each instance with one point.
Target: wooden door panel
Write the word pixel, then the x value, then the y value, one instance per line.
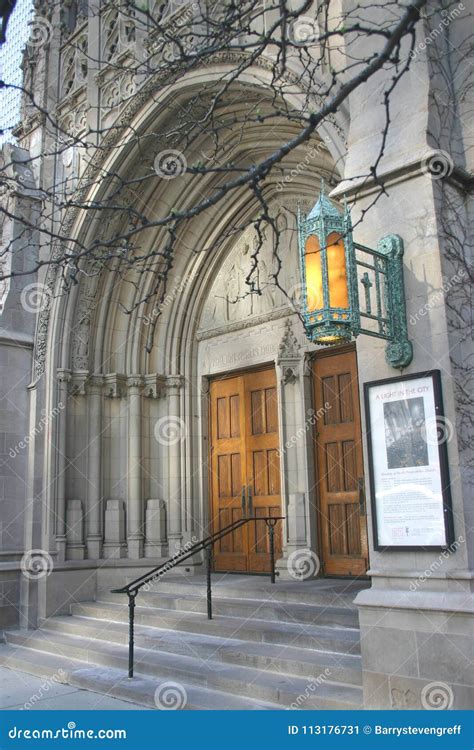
pixel 338 446
pixel 244 454
pixel 228 471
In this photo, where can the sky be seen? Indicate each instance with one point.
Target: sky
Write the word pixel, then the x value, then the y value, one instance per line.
pixel 10 68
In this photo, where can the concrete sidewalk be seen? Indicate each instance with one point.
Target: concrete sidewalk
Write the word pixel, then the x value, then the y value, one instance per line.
pixel 22 692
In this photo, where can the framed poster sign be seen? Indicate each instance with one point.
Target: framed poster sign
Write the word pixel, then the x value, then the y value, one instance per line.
pixel 409 477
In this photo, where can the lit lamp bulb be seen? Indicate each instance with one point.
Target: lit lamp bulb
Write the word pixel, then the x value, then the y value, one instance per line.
pixel 336 306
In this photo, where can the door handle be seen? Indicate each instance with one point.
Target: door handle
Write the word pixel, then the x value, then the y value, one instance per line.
pixel 244 509
pixel 362 508
pixel 250 501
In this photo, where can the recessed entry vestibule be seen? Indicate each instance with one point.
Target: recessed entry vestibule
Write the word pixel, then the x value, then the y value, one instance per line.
pixel 248 447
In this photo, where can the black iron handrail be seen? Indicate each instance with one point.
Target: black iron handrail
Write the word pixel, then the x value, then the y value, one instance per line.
pixel 204 545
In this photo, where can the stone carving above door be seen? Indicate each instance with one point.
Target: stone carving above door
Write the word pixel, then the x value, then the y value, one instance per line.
pixel 244 291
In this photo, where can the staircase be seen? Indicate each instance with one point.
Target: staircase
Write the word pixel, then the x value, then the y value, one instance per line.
pixel 287 646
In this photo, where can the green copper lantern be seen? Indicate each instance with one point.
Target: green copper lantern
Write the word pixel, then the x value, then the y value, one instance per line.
pixel 329 310
pixel 333 270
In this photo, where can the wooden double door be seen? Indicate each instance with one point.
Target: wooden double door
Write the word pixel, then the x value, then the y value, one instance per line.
pixel 338 447
pixel 245 468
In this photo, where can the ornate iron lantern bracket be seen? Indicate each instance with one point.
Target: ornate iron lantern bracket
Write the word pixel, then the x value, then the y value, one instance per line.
pixel 350 289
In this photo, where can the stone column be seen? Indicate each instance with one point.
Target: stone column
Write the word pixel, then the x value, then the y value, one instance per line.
pixel 75 536
pixel 172 435
pixel 64 377
pixel 135 520
pixel 94 534
pixel 293 459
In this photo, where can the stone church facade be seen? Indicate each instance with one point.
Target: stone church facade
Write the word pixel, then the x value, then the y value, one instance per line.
pixel 107 419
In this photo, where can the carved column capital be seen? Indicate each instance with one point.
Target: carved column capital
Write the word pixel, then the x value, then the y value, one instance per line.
pixel 174 383
pixel 134 381
pixel 63 376
pixel 95 383
pixel 154 386
pixel 79 379
pixel 114 385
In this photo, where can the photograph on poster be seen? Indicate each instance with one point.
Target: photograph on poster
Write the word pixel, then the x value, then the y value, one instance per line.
pixel 407 463
pixel 405 433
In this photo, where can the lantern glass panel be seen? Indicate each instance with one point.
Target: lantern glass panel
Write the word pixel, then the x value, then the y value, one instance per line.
pixel 337 274
pixel 314 277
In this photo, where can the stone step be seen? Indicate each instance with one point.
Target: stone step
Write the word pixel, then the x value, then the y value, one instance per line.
pixel 330 592
pixel 301 635
pixel 273 657
pixel 262 609
pixel 141 690
pixel 282 689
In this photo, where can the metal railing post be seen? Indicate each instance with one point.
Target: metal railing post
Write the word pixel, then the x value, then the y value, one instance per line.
pixel 209 584
pixel 272 552
pixel 131 625
pixel 271 523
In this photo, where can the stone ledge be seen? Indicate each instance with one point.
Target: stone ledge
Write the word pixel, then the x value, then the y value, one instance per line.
pixel 461 603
